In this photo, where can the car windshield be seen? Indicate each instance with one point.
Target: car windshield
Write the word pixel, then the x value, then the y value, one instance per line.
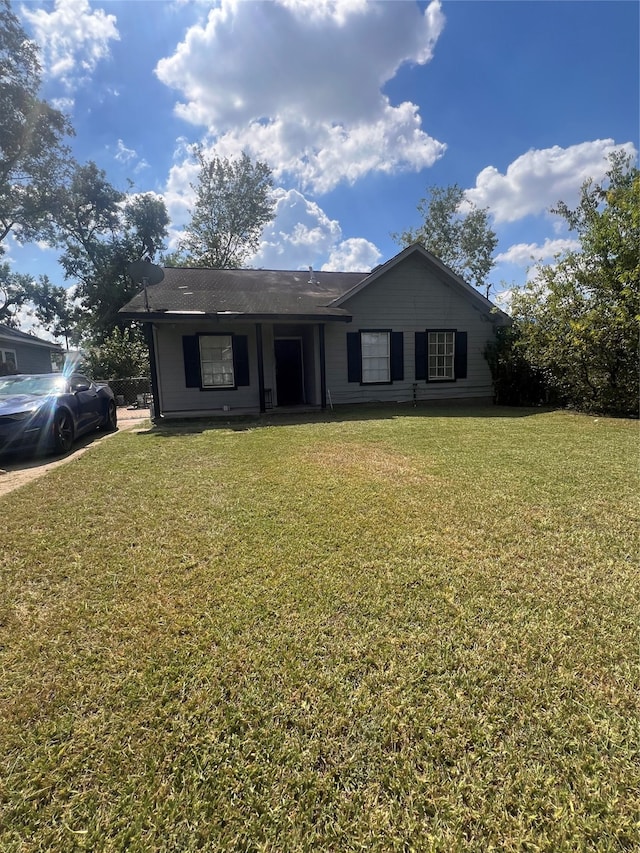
pixel 39 385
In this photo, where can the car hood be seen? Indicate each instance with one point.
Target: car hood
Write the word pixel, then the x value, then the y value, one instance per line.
pixel 17 403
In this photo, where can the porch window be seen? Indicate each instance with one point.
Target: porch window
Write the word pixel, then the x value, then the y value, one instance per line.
pixel 441 356
pixel 376 356
pixel 216 361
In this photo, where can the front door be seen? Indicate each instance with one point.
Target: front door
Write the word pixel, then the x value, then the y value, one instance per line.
pixel 289 372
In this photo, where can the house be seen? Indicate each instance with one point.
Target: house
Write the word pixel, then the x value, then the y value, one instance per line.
pixel 24 353
pixel 245 341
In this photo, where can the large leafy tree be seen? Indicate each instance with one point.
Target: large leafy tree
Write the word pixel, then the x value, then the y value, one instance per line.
pixel 101 231
pixel 13 294
pixel 54 308
pixel 578 320
pixel 121 354
pixel 233 204
pixel 33 156
pixel 457 232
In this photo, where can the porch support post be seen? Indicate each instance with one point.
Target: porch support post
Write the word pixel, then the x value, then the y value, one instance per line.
pixel 260 367
pixel 153 368
pixel 323 367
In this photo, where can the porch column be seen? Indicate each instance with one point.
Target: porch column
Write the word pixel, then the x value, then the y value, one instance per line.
pixel 260 367
pixel 323 368
pixel 153 369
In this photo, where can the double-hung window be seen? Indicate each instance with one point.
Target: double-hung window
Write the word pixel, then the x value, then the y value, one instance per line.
pixel 216 361
pixel 213 361
pixel 376 356
pixel 441 356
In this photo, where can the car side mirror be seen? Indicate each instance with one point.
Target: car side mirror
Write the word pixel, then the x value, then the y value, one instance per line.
pixel 80 386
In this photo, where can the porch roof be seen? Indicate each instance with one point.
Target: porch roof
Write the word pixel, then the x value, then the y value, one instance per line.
pixel 245 294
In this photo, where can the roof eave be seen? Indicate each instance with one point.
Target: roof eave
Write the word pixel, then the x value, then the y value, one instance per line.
pixel 233 317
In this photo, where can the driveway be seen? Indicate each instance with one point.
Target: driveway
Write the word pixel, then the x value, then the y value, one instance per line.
pixel 14 474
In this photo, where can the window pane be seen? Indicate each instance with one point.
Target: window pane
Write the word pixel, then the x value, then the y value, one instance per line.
pixel 216 361
pixel 441 352
pixel 375 356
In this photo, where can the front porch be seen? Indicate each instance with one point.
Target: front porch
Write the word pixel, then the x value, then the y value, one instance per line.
pixel 269 367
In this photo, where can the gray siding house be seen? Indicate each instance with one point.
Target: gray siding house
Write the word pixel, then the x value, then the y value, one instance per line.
pixel 23 353
pixel 246 341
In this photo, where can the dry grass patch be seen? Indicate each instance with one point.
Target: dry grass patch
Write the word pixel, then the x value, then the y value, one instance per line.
pixel 357 460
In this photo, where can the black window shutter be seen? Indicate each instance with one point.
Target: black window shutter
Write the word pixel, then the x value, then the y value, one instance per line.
pixel 460 356
pixel 397 356
pixel 241 359
pixel 421 355
pixel 191 350
pixel 354 357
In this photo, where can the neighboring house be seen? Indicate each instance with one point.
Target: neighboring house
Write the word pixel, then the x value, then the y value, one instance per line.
pixel 251 340
pixel 23 353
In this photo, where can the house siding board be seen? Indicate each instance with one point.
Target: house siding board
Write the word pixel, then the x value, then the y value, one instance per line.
pixel 410 298
pixel 30 359
pixel 33 355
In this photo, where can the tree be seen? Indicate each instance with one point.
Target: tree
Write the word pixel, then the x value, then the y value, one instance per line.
pixel 233 205
pixel 101 231
pixel 578 320
pixel 53 307
pixel 120 355
pixel 457 232
pixel 33 158
pixel 12 295
pixel 515 381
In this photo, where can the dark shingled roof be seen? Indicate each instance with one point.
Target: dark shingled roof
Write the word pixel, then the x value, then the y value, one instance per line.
pixel 250 293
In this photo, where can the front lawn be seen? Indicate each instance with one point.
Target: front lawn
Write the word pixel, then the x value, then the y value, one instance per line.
pixel 392 632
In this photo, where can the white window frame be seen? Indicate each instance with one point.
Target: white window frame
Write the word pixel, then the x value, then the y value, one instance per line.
pixel 6 354
pixel 375 366
pixel 216 361
pixel 441 349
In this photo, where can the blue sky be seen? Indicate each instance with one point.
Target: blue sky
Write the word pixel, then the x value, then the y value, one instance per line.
pixel 358 107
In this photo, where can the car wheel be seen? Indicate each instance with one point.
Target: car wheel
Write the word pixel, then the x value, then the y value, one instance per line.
pixel 62 432
pixel 111 420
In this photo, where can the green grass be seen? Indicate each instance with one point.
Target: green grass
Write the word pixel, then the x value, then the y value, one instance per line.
pixel 391 632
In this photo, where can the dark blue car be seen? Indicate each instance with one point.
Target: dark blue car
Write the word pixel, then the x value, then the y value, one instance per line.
pixel 47 412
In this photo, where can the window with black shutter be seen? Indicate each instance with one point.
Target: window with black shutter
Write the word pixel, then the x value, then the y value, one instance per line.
pixel 375 356
pixel 441 355
pixel 215 361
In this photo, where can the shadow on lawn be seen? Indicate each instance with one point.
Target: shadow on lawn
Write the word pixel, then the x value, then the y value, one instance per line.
pixel 22 459
pixel 339 414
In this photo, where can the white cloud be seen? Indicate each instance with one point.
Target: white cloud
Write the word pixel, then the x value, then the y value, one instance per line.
pixel 537 180
pixel 299 84
pixel 129 156
pixel 353 255
pixel 73 38
pixel 525 254
pixel 300 235
pixel 64 105
pixel 124 154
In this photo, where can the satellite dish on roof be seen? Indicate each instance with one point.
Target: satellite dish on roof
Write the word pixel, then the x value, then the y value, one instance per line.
pixel 144 272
